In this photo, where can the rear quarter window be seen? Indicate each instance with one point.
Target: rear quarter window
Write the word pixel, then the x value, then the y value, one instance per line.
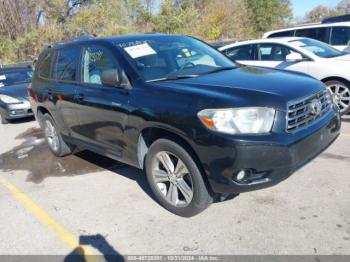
pixel 244 52
pixel 44 66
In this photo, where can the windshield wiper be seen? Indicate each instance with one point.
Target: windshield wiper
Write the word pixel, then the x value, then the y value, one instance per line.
pixel 223 68
pixel 172 77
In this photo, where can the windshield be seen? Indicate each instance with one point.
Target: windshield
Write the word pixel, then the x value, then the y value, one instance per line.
pixel 15 77
pixel 318 48
pixel 173 57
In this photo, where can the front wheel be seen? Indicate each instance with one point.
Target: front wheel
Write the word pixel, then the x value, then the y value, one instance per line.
pixel 341 94
pixel 175 179
pixel 3 120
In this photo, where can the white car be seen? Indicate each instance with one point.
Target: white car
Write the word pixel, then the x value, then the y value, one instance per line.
pixel 305 55
pixel 334 31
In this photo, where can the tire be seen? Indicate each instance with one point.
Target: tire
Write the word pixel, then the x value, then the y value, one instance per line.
pixel 53 138
pixel 341 93
pixel 3 120
pixel 185 204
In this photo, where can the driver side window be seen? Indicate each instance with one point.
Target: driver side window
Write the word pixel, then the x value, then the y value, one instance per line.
pixel 95 61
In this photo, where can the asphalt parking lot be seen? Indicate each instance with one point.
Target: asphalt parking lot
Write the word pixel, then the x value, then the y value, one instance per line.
pixel 51 206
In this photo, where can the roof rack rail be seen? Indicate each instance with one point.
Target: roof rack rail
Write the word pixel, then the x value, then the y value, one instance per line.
pixel 28 64
pixel 72 40
pixel 336 19
pixel 305 24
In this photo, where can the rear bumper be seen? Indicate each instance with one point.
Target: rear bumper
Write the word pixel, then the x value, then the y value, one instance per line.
pixel 15 111
pixel 270 161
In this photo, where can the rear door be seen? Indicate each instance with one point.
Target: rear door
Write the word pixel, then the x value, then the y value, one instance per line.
pixel 62 87
pixel 103 110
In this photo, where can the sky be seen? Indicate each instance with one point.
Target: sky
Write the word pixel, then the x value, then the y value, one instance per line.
pixel 300 7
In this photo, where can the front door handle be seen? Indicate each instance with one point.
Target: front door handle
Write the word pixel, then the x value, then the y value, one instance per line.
pixel 80 97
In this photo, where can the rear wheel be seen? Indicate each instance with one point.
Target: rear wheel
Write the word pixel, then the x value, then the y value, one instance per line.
pixel 341 94
pixel 3 120
pixel 53 138
pixel 175 179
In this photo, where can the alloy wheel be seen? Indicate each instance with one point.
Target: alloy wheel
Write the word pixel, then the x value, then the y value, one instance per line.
pixel 52 136
pixel 172 179
pixel 341 96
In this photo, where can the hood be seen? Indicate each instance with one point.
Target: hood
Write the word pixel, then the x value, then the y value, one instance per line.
pixel 345 58
pixel 252 86
pixel 18 91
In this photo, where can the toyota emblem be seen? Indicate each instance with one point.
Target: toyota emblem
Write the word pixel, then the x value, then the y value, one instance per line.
pixel 315 107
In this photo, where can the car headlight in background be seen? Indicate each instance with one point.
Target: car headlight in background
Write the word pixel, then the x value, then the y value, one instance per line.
pixel 245 120
pixel 9 100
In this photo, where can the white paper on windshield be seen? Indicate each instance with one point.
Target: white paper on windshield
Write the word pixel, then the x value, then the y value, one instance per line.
pixel 140 50
pixel 2 85
pixel 2 77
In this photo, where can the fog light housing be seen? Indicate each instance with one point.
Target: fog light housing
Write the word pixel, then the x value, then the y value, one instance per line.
pixel 242 175
pixel 13 112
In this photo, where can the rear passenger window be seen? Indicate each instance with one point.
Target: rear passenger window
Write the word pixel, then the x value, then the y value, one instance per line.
pixel 282 34
pixel 340 35
pixel 67 64
pixel 44 66
pixel 319 34
pixel 95 61
pixel 240 53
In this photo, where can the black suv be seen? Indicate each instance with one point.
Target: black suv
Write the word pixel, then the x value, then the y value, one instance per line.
pixel 202 127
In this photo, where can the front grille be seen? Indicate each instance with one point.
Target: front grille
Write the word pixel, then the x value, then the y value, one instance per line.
pixel 300 114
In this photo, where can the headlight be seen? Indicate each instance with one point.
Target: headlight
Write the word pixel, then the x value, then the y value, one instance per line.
pixel 9 100
pixel 245 120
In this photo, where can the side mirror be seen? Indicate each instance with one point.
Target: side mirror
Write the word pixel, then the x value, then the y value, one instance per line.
pixel 294 57
pixel 110 77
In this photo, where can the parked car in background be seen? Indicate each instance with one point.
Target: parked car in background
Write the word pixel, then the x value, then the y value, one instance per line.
pixel 334 31
pixel 201 126
pixel 305 55
pixel 14 102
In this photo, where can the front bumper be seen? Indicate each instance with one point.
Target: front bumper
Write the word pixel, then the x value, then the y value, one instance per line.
pixel 20 110
pixel 267 161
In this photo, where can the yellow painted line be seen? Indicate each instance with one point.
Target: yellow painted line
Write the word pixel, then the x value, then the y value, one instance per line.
pixel 44 218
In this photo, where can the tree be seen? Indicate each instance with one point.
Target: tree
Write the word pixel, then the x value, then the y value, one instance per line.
pixel 227 19
pixel 174 18
pixel 266 15
pixel 320 12
pixel 344 7
pixel 105 18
